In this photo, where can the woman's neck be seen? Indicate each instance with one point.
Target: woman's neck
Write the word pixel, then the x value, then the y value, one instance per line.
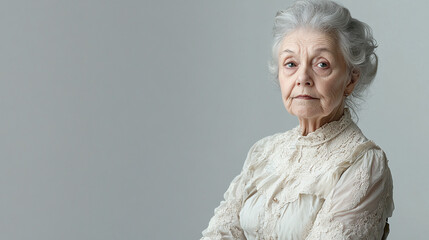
pixel 309 125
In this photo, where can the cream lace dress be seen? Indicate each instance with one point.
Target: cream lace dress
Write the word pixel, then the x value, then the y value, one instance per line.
pixel 331 184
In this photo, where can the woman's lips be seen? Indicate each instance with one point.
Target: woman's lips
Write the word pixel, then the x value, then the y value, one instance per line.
pixel 304 97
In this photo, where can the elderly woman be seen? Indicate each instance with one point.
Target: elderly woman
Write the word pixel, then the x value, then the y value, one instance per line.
pixel 323 179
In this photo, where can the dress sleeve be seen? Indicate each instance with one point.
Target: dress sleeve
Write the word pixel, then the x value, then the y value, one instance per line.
pixel 225 224
pixel 360 203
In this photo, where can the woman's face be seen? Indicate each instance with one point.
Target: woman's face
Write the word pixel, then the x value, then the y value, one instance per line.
pixel 313 75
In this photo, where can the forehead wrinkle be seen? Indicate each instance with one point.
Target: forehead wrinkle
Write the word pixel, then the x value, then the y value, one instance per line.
pixel 295 43
pixel 324 49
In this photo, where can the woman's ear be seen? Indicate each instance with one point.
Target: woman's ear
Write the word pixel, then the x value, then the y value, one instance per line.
pixel 354 78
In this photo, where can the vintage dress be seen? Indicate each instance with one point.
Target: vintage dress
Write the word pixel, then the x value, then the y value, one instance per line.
pixel 331 184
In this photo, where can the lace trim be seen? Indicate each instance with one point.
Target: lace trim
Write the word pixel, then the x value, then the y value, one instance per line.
pixel 325 133
pixel 361 184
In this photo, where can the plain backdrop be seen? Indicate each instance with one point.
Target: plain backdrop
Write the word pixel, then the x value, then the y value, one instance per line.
pixel 128 119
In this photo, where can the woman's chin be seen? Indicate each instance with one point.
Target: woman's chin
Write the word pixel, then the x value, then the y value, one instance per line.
pixel 306 112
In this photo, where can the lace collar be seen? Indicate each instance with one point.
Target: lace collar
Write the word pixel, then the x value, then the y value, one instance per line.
pixel 325 132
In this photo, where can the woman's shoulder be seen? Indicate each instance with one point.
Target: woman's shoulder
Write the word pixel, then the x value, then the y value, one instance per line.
pixel 370 152
pixel 262 148
pixel 270 139
pixel 366 159
pixel 364 147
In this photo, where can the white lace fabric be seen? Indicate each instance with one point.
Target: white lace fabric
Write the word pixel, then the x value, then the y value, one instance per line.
pixel 331 184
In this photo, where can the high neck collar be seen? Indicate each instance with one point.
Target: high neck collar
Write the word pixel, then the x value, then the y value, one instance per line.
pixel 325 132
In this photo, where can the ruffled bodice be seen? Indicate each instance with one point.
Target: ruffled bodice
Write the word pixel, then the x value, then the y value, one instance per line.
pixel 295 187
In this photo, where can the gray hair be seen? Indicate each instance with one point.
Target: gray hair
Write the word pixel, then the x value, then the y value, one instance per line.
pixel 354 37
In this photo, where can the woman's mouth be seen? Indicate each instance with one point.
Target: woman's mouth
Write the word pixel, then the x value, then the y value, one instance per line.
pixel 305 97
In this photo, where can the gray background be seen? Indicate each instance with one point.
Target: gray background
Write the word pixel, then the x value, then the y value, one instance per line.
pixel 128 119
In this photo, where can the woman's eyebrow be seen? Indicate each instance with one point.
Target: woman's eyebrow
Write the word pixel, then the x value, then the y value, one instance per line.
pixel 287 51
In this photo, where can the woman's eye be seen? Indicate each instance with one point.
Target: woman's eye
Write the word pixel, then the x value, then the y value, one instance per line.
pixel 290 64
pixel 323 65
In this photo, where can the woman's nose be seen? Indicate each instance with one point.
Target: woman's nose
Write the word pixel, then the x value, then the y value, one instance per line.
pixel 304 78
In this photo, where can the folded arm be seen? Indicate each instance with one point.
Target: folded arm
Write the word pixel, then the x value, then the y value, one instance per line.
pixel 360 203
